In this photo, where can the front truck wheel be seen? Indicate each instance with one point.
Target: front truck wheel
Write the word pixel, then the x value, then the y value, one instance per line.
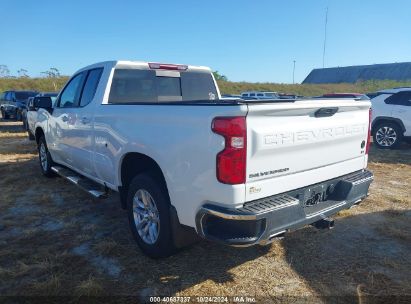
pixel 45 158
pixel 148 210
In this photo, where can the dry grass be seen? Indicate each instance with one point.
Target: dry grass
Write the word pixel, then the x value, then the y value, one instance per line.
pixel 55 240
pixel 89 287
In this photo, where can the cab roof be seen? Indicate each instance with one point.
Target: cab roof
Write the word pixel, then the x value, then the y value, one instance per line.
pixel 140 65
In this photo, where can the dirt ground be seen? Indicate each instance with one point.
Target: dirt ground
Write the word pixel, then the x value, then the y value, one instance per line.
pixel 56 240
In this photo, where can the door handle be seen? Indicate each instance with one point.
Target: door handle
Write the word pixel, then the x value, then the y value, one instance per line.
pixel 85 120
pixel 64 118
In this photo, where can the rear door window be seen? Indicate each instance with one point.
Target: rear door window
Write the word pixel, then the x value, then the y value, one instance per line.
pixel 90 86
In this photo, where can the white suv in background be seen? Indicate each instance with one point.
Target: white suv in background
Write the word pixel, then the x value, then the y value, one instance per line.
pixel 391 117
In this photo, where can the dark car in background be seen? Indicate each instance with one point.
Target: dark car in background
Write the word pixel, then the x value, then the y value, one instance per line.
pixel 12 103
pixel 29 104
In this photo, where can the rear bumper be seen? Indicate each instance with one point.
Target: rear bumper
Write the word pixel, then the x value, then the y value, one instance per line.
pixel 260 221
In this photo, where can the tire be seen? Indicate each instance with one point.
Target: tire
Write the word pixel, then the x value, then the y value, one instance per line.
pixel 150 198
pixel 387 135
pixel 45 158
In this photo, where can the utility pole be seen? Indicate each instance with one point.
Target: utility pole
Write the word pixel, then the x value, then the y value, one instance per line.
pixel 293 70
pixel 325 35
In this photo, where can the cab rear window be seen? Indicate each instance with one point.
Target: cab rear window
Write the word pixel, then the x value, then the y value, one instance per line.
pixel 145 86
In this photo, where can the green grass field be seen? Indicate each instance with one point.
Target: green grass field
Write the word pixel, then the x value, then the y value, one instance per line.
pixel 226 87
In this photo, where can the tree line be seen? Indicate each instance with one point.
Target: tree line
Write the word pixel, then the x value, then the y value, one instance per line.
pixel 23 73
pixel 55 73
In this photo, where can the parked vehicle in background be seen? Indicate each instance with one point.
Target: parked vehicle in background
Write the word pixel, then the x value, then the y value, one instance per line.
pixel 357 96
pixel 13 103
pixel 391 117
pixel 372 95
pixel 260 95
pixel 188 163
pixel 230 96
pixel 29 105
pixel 288 96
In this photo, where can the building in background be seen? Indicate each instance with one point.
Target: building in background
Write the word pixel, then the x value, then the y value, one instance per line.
pixel 352 74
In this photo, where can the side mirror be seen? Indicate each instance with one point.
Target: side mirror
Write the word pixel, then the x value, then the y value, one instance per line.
pixel 43 102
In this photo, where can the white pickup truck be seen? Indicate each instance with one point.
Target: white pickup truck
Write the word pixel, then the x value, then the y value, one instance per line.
pixel 187 163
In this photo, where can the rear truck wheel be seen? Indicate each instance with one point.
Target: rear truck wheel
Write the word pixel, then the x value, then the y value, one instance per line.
pixel 45 158
pixel 148 210
pixel 387 135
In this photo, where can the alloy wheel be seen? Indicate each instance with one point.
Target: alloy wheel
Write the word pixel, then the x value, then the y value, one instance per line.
pixel 386 136
pixel 43 156
pixel 146 216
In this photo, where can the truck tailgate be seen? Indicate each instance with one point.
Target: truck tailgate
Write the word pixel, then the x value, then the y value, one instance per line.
pixel 292 145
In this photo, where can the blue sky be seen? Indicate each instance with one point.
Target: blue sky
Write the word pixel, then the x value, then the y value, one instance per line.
pixel 245 40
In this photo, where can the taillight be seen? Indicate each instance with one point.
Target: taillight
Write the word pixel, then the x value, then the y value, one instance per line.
pixel 167 66
pixel 231 162
pixel 369 132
